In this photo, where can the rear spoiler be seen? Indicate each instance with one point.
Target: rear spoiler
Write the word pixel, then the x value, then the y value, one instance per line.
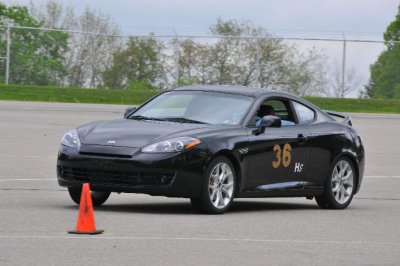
pixel 346 118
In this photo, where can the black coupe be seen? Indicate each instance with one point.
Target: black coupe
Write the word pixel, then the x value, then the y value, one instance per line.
pixel 216 143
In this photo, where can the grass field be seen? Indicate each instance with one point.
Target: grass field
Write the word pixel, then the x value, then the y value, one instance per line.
pixel 72 95
pixel 127 97
pixel 357 105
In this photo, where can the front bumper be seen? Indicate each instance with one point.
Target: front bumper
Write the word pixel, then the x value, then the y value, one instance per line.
pixel 172 175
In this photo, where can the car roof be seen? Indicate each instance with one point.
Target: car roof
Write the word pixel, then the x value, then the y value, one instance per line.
pixel 232 89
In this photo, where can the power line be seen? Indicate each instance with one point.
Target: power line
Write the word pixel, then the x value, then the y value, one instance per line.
pixel 171 36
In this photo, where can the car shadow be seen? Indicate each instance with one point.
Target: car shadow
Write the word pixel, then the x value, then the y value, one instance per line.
pixel 150 208
pixel 185 208
pixel 251 206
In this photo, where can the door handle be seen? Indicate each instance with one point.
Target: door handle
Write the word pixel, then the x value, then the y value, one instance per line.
pixel 301 139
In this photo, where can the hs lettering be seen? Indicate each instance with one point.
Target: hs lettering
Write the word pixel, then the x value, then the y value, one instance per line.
pixel 298 167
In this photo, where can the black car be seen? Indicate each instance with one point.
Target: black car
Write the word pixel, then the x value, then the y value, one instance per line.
pixel 216 143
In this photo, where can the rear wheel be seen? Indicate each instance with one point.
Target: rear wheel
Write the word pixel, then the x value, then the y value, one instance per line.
pixel 98 197
pixel 218 189
pixel 339 187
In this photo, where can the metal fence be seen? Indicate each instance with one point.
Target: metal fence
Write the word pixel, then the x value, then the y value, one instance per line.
pixel 89 54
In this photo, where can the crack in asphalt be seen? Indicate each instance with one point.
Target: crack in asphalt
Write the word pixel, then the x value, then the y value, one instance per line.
pixel 31 189
pixel 75 110
pixel 291 241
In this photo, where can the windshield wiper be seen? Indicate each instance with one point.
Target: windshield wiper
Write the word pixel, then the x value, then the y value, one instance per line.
pixel 140 117
pixel 184 120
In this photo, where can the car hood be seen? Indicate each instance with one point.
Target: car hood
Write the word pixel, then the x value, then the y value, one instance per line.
pixel 134 133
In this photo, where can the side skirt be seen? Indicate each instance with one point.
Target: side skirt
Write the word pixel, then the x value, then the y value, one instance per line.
pixel 281 193
pixel 286 189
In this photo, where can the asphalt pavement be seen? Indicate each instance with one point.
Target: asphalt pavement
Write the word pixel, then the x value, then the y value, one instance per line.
pixel 35 213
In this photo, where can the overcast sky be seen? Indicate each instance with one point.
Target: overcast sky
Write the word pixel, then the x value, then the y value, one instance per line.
pixel 360 19
pixel 350 16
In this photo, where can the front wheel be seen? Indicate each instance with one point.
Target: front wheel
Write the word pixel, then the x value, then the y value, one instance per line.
pixel 339 186
pixel 218 189
pixel 98 197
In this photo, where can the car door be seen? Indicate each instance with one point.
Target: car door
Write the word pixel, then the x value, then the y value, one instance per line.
pixel 319 138
pixel 278 158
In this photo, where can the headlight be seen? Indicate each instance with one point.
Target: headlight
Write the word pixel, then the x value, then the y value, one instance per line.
pixel 71 139
pixel 172 145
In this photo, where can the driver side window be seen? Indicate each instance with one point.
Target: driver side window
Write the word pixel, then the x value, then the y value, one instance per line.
pixel 275 107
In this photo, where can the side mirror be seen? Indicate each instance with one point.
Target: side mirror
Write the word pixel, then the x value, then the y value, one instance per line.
pixel 268 121
pixel 128 111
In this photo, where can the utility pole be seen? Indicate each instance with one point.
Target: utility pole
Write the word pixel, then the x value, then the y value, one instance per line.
pixel 176 58
pixel 258 55
pixel 343 66
pixel 7 22
pixel 8 53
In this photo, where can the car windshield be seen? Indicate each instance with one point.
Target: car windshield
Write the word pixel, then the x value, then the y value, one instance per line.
pixel 196 107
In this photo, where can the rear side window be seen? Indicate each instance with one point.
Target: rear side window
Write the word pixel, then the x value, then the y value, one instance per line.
pixel 304 114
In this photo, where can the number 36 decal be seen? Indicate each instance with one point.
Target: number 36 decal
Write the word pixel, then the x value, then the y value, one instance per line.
pixel 282 157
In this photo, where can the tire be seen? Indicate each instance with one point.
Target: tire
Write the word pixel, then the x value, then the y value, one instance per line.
pixel 339 186
pixel 98 197
pixel 218 188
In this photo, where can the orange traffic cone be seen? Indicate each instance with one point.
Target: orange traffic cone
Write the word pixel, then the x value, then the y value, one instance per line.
pixel 86 223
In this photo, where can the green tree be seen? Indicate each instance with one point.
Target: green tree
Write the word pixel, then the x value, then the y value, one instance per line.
pixel 139 62
pixel 223 55
pixel 385 71
pixel 194 63
pixel 368 91
pixel 36 57
pixel 88 55
pixel 247 55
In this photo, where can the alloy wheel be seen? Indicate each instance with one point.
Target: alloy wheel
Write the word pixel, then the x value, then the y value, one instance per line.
pixel 342 182
pixel 221 185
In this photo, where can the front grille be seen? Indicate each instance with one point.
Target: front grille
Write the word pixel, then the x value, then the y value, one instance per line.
pixel 106 154
pixel 115 178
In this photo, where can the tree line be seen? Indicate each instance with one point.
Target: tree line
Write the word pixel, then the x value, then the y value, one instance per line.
pixel 240 54
pixel 103 60
pixel 385 72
